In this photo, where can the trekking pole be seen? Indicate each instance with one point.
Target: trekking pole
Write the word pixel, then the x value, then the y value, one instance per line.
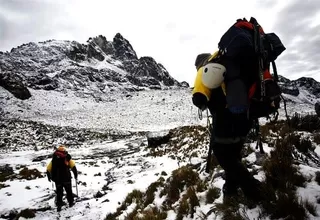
pixel 209 159
pixel 54 190
pixel 55 193
pixel 209 128
pixel 77 187
pixel 259 137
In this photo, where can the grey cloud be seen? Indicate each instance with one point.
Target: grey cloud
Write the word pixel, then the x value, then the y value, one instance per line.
pixel 290 57
pixel 312 68
pixel 25 21
pixel 292 67
pixel 292 22
pixel 3 27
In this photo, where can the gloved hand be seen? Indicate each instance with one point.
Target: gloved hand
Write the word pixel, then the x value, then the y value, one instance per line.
pixel 200 101
pixel 49 176
pixel 68 157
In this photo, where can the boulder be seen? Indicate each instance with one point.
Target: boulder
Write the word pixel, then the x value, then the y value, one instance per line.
pixel 13 83
pixel 156 139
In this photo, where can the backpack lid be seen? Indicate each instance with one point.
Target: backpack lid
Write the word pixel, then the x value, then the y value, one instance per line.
pixel 243 23
pixel 60 153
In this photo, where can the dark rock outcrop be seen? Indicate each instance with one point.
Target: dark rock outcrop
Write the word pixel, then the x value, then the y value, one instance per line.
pixel 6 171
pixel 309 84
pixel 317 108
pixel 290 90
pixel 293 87
pixel 77 52
pixel 155 139
pixel 148 71
pixel 185 84
pixel 123 49
pixel 16 134
pixel 288 87
pixel 13 83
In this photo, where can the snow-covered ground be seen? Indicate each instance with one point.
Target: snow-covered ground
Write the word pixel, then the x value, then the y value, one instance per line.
pixel 114 169
pixel 151 110
pixel 120 165
pixel 136 111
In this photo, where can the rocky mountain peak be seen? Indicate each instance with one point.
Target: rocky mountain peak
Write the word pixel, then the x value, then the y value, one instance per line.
pixel 120 48
pixel 123 48
pixel 93 68
pixel 310 84
pixel 149 67
pixel 294 87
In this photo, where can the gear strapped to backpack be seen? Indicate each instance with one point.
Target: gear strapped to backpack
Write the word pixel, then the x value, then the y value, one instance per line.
pixel 60 166
pixel 264 93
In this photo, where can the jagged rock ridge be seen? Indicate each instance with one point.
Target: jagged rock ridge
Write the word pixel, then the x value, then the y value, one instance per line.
pixel 93 68
pixel 293 87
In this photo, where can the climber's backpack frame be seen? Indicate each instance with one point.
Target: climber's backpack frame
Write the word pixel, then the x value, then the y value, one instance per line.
pixel 265 94
pixel 267 47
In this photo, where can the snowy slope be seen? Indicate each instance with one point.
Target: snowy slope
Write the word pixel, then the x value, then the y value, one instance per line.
pixel 135 111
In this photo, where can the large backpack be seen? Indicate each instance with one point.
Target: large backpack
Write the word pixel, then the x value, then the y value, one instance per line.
pixel 264 91
pixel 60 171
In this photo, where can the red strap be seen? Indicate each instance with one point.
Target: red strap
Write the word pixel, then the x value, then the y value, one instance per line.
pixel 252 90
pixel 60 154
pixel 266 75
pixel 245 24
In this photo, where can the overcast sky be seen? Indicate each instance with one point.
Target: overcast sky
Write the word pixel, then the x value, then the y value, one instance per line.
pixel 173 32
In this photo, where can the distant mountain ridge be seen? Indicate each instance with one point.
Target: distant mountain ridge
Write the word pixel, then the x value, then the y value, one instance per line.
pixel 88 69
pixel 294 87
pixel 98 67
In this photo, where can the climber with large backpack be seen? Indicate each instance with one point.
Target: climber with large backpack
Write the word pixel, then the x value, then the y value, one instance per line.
pixel 236 86
pixel 58 170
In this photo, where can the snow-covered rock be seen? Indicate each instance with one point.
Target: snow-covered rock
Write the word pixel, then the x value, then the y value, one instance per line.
pixel 13 83
pixel 93 69
pixel 294 87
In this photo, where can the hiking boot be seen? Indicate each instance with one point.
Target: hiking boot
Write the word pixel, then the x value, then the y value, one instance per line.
pixel 231 200
pixel 230 194
pixel 58 208
pixel 229 191
pixel 255 192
